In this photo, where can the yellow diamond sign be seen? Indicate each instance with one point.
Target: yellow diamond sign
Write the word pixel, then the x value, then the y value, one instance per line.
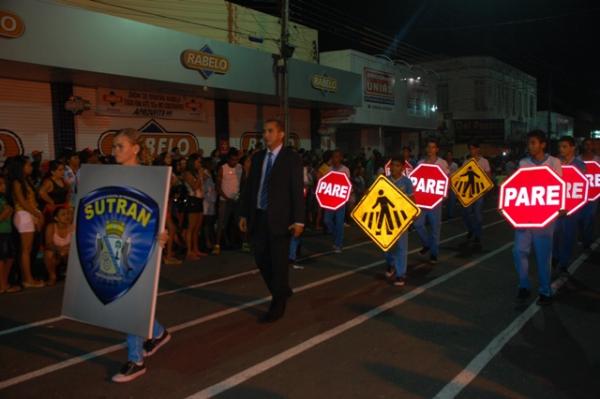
pixel 470 183
pixel 384 213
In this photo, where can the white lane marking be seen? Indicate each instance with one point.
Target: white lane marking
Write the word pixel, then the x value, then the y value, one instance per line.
pixel 276 360
pixel 56 319
pixel 91 355
pixel 466 376
pixel 31 325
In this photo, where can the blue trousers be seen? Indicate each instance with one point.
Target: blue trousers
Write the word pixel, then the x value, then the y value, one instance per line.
pixel 565 236
pixel 334 220
pixel 431 239
pixel 398 254
pixel 294 243
pixel 587 218
pixel 541 240
pixel 135 343
pixel 473 218
pixel 451 204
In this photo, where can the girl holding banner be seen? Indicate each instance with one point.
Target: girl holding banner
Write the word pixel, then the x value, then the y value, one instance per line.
pixel 129 151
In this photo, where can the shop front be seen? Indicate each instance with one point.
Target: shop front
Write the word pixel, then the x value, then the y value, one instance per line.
pixel 69 81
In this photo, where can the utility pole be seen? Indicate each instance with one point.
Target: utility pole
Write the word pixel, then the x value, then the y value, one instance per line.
pixel 285 52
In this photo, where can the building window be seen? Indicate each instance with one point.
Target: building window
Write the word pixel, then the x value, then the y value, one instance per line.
pixel 531 107
pixel 513 100
pixel 443 97
pixel 480 95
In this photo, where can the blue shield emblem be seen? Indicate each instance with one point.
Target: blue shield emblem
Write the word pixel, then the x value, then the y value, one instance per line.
pixel 116 233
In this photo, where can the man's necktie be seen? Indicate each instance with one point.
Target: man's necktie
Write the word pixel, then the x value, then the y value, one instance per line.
pixel 264 191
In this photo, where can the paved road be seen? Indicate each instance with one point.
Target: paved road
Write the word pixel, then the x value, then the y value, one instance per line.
pixel 452 332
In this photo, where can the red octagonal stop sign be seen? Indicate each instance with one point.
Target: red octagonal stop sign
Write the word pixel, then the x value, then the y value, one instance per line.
pixel 532 197
pixel 577 188
pixel 430 184
pixel 592 172
pixel 333 190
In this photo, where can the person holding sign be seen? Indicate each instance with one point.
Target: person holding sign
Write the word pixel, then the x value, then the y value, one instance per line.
pixel 334 220
pixel 431 239
pixel 540 238
pixel 128 151
pixel 472 216
pixel 566 225
pixel 587 217
pixel 272 205
pixel 396 258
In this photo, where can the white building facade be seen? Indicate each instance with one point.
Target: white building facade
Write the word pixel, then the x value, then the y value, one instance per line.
pixel 484 99
pixel 398 104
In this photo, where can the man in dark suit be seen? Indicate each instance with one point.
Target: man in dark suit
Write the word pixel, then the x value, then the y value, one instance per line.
pixel 272 208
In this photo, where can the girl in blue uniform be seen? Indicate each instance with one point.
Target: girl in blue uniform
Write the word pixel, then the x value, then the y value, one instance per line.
pixel 127 148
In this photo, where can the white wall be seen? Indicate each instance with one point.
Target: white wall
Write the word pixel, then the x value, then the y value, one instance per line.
pixel 507 93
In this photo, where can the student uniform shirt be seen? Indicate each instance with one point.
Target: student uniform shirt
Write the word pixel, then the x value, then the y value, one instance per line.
pixel 483 163
pixel 404 184
pixel 440 162
pixel 578 163
pixel 552 162
pixel 342 169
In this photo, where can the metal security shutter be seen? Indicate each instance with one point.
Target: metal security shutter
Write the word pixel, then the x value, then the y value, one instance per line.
pixel 26 110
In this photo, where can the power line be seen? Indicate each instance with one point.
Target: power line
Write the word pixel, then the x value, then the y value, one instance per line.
pixel 586 13
pixel 276 40
pixel 373 39
pixel 329 15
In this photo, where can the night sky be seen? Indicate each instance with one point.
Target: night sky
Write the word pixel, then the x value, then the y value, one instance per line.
pixel 554 40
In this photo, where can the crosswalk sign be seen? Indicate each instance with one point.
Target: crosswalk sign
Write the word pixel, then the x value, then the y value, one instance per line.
pixel 385 213
pixel 470 183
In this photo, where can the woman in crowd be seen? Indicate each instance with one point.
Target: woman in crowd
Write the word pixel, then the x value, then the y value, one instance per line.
pixel 72 164
pixel 193 177
pixel 57 241
pixel 209 205
pixel 7 248
pixel 27 218
pixel 166 159
pixel 54 191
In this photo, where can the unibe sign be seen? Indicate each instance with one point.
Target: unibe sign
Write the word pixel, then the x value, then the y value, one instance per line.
pixel 333 190
pixel 532 197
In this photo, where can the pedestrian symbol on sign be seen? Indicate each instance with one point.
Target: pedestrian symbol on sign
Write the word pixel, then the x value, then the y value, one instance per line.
pixel 384 213
pixel 470 183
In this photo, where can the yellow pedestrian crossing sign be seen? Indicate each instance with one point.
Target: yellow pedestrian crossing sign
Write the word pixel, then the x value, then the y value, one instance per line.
pixel 470 183
pixel 385 212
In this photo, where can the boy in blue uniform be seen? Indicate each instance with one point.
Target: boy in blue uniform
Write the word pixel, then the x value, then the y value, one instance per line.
pixel 472 215
pixel 334 220
pixel 566 226
pixel 431 240
pixel 587 216
pixel 539 238
pixel 396 257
